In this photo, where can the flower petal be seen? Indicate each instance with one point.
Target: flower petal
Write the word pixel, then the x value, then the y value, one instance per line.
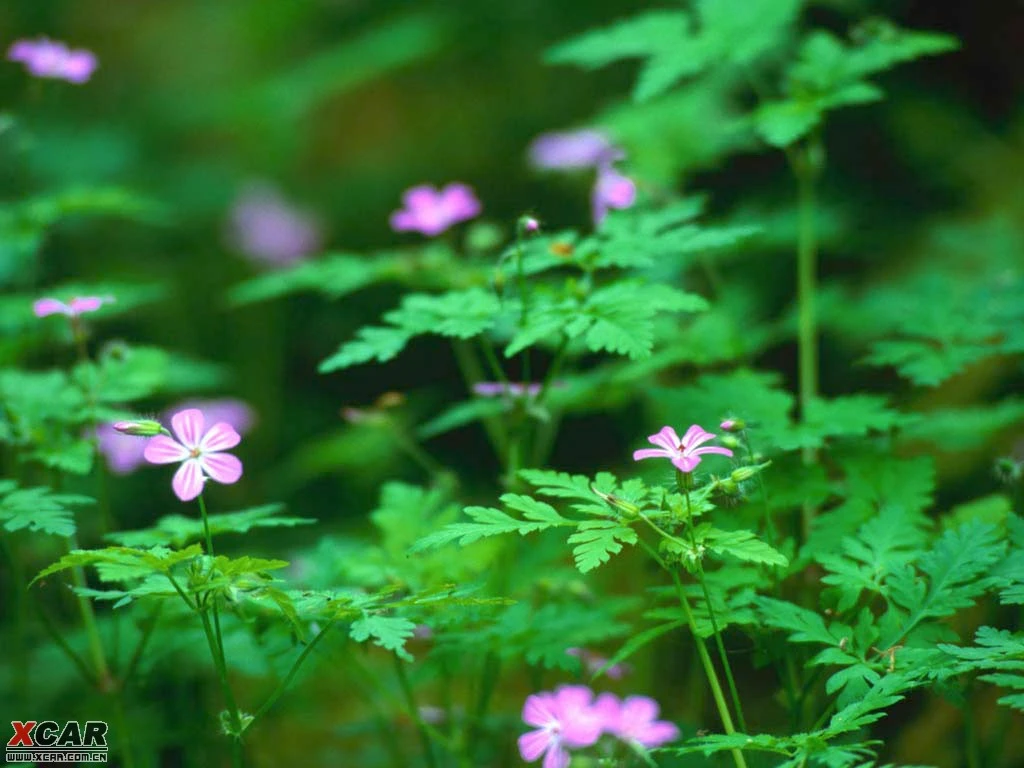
pixel 667 438
pixel 164 450
pixel 686 463
pixel 219 437
pixel 539 710
pixel 556 758
pixel 652 453
pixel 711 449
pixel 188 480
pixel 657 733
pixel 533 744
pixel 82 304
pixel 694 436
pixel 45 307
pixel 188 426
pixel 222 467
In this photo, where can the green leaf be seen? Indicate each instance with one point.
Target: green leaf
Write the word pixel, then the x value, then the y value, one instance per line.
pixel 178 530
pixel 635 38
pixel 389 632
pixel 493 522
pixel 123 562
pixel 38 509
pixel 334 275
pixel 743 545
pixel 597 540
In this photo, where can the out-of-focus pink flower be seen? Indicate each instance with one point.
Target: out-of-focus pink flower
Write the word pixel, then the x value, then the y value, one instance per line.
pixel 236 413
pixel 634 719
pixel 611 190
pixel 685 454
pixel 431 211
pixel 593 662
pixel 529 224
pixel 124 452
pixel 564 720
pixel 199 450
pixel 513 388
pixel 269 230
pixel 77 306
pixel 47 58
pixel 570 150
pixel 587 149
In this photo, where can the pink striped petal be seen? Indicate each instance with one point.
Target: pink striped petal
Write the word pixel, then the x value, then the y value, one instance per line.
pixel 652 453
pixel 163 450
pixel 45 307
pixel 694 436
pixel 686 463
pixel 667 438
pixel 219 437
pixel 533 744
pixel 538 709
pixel 188 480
pixel 188 426
pixel 711 449
pixel 222 467
pixel 556 758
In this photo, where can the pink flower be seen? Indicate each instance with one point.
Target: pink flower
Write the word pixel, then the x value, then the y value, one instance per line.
pixel 570 150
pixel 124 452
pixel 200 453
pixel 45 58
pixel 269 230
pixel 685 453
pixel 611 190
pixel 593 662
pixel 587 149
pixel 564 720
pixel 77 306
pixel 431 211
pixel 634 720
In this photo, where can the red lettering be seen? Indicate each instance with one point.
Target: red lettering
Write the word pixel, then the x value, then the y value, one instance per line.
pixel 22 734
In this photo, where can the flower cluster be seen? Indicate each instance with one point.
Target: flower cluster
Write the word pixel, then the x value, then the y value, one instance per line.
pixel 587 149
pixel 571 718
pixel 47 58
pixel 431 211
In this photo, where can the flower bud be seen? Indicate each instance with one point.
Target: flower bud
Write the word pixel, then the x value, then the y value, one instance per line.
pixel 741 474
pixel 733 425
pixel 729 486
pixel 139 428
pixel 730 442
pixel 528 224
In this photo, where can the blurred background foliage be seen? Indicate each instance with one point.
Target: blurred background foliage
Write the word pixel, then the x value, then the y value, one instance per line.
pixel 343 104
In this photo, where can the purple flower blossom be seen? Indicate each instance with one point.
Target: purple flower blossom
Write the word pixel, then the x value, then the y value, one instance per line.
pixel 124 452
pixel 46 58
pixel 685 454
pixel 571 150
pixel 199 450
pixel 564 719
pixel 269 230
pixel 634 720
pixel 77 306
pixel 430 211
pixel 512 388
pixel 593 662
pixel 611 190
pixel 587 149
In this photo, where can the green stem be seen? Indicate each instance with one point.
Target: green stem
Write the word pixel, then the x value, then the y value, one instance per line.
pixel 127 759
pixel 488 682
pixel 215 639
pixel 702 652
pixel 414 713
pixel 722 656
pixel 291 674
pixel 471 372
pixel 807 268
pixel 147 633
pixel 99 659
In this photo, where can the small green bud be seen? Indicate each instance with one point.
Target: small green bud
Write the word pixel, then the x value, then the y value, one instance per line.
pixel 742 474
pixel 729 486
pixel 733 425
pixel 140 427
pixel 730 442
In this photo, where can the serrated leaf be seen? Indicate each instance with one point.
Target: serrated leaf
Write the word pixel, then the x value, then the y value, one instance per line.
pixel 177 530
pixel 389 632
pixel 38 509
pixel 597 540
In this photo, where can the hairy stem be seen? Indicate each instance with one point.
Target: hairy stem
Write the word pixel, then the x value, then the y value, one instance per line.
pixel 414 713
